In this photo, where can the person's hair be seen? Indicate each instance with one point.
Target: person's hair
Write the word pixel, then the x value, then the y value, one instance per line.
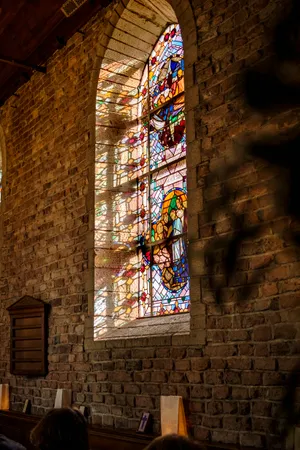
pixel 173 442
pixel 61 429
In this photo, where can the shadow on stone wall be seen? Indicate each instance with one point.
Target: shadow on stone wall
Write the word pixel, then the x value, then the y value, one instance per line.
pixel 269 89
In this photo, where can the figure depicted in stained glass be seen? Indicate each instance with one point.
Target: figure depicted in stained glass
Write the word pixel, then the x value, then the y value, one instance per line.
pixel 167 134
pixel 166 67
pixel 170 256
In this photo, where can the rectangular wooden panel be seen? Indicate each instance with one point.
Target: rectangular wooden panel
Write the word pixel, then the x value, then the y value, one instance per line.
pixel 30 354
pixel 28 366
pixel 27 343
pixel 28 351
pixel 27 333
pixel 26 321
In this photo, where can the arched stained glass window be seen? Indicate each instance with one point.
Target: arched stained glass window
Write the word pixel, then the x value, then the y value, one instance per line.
pixel 141 267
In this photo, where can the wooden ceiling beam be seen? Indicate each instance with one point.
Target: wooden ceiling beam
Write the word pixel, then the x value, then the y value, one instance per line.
pixel 28 67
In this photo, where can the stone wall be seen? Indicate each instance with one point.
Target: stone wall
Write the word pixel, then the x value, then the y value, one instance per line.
pixel 232 384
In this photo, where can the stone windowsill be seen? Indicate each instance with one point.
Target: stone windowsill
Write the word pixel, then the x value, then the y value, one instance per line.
pixel 154 326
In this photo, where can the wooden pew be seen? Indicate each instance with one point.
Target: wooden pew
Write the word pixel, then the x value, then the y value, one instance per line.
pixel 17 426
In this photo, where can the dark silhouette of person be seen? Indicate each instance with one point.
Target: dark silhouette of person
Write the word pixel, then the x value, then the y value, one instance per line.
pixel 61 429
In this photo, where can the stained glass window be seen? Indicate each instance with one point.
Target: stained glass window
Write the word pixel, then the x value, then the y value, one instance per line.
pixel 141 267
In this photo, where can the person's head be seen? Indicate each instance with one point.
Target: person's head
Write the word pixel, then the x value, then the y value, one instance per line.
pixel 173 442
pixel 61 429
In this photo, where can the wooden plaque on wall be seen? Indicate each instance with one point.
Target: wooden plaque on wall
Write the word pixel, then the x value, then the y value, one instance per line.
pixel 28 337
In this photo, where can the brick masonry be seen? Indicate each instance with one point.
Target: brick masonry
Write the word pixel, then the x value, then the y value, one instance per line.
pixel 231 380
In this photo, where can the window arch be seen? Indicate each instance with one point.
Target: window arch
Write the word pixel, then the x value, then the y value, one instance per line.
pixel 141 267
